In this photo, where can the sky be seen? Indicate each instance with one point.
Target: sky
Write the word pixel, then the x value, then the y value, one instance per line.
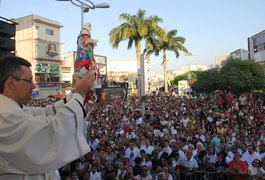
pixel 211 27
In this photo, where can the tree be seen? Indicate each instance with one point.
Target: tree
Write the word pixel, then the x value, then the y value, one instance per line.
pixel 242 75
pixel 235 75
pixel 135 29
pixel 207 81
pixel 169 42
pixel 184 76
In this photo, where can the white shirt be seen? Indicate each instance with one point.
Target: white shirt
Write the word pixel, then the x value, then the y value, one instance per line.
pixel 185 121
pixel 262 155
pixel 256 171
pixel 250 157
pixel 211 158
pixel 148 177
pixel 95 176
pixel 167 149
pixel 42 139
pixel 132 154
pixel 93 144
pixel 192 163
pixel 169 177
pixel 148 150
pixel 146 163
pixel 139 121
pixel 181 153
pixel 175 163
pixel 202 137
pixel 130 135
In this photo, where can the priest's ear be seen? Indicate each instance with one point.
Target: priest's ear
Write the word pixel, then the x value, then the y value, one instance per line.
pixel 9 83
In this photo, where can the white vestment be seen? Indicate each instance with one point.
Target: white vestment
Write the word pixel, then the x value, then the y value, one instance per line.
pixel 35 142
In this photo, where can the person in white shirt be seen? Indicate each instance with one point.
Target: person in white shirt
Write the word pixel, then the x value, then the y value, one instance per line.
pixel 94 175
pixel 145 160
pixel 144 174
pixel 164 175
pixel 185 120
pixel 232 151
pixel 147 147
pixel 187 165
pixel 139 121
pixel 211 157
pixel 40 137
pixel 262 150
pixel 121 169
pixel 166 147
pixel 92 141
pixel 230 139
pixel 250 155
pixel 132 152
pixel 200 135
pixel 256 171
pixel 199 147
pixel 130 134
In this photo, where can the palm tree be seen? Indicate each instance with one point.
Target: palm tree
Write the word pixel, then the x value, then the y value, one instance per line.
pixel 170 42
pixel 135 29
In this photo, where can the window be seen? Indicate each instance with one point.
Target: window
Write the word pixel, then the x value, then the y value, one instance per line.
pixel 37 27
pixel 260 47
pixel 49 32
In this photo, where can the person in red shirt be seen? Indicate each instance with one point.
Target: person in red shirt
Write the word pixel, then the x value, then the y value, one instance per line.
pixel 237 167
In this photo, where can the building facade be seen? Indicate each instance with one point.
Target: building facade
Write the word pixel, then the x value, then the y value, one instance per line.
pixel 38 40
pixel 240 53
pixel 7 37
pixel 220 59
pixel 187 68
pixel 125 70
pixel 256 48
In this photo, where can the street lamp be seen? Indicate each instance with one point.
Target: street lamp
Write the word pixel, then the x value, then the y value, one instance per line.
pixel 85 5
pixel 189 54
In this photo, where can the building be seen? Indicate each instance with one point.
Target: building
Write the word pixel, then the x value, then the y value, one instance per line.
pixel 38 40
pixel 67 70
pixel 7 37
pixel 256 48
pixel 120 69
pixel 240 53
pixel 125 70
pixel 101 62
pixel 187 68
pixel 220 59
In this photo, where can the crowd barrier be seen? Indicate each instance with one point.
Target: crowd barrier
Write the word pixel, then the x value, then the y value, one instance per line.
pixel 206 175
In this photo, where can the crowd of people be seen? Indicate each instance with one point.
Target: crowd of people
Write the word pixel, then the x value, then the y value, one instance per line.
pixel 213 136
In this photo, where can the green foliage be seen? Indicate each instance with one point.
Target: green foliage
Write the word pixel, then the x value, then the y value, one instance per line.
pixel 134 28
pixel 242 76
pixel 207 81
pixel 235 74
pixel 167 42
pixel 185 76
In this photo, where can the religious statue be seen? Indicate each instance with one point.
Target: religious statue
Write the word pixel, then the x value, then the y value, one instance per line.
pixel 85 55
